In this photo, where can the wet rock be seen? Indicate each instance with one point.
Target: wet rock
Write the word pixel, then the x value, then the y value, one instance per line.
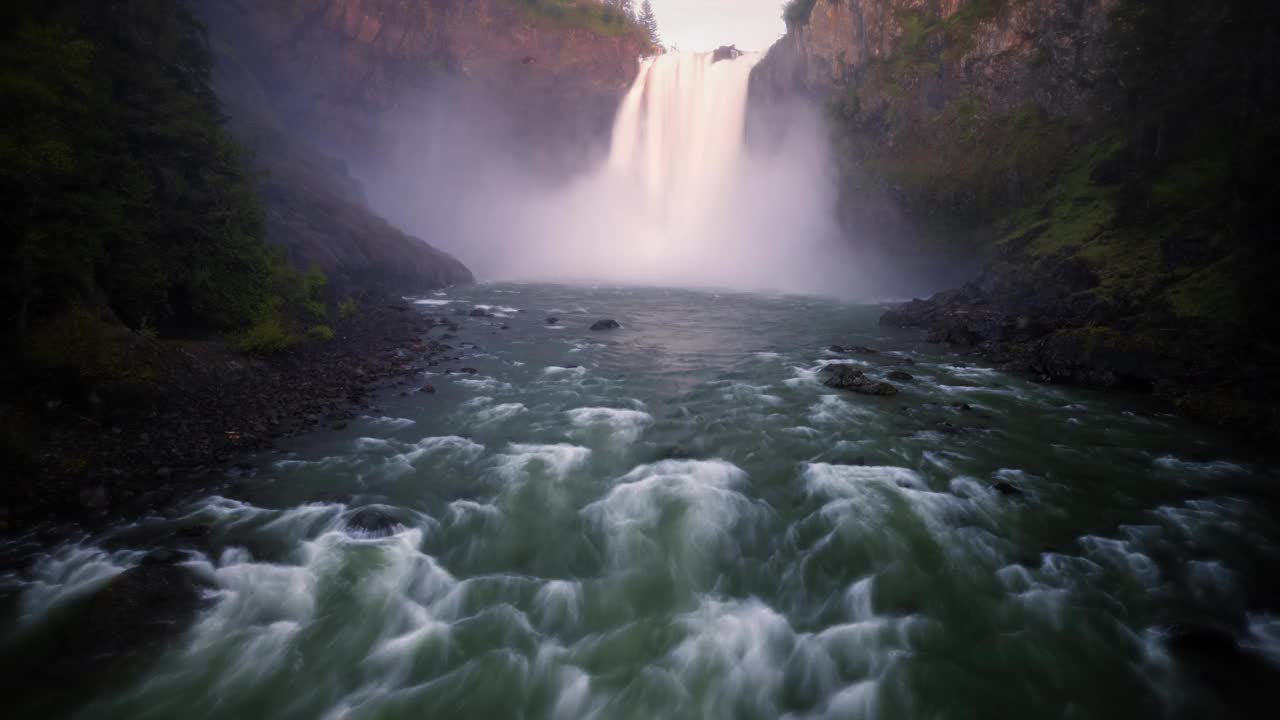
pixel 469 370
pixel 163 556
pixel 95 497
pixel 372 522
pixel 133 613
pixel 428 388
pixel 962 406
pixel 843 377
pixel 1006 489
pixel 605 324
pixel 901 376
pixel 193 531
pixel 1203 640
pixel 725 52
pixel 853 350
pixel 553 320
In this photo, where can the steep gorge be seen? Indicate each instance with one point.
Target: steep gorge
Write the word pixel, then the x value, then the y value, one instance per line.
pixel 340 69
pixel 361 108
pixel 1106 163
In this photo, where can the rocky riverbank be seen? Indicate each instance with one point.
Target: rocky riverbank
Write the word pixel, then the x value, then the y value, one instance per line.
pixel 1212 373
pixel 124 450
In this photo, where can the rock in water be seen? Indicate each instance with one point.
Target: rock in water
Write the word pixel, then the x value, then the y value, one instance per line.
pixel 605 324
pixel 901 376
pixel 372 522
pixel 726 52
pixel 480 312
pixel 553 320
pixel 843 377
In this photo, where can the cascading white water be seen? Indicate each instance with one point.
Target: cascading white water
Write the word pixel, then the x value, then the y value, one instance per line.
pixel 680 198
pixel 679 134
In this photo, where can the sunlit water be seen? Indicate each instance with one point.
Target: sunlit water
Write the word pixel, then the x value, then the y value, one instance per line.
pixel 690 525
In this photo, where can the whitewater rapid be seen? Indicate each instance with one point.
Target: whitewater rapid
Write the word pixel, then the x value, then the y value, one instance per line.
pixel 677 519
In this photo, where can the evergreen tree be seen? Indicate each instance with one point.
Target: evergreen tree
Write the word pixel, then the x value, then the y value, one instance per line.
pixel 650 22
pixel 120 189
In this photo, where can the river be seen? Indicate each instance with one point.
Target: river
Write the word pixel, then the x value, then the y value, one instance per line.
pixel 677 519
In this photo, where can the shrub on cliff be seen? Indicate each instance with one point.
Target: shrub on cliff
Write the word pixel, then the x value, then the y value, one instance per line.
pixel 590 14
pixel 796 12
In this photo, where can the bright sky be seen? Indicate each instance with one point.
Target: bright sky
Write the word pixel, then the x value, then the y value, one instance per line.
pixel 708 24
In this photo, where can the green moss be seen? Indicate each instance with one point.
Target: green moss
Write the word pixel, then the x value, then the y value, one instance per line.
pixel 585 14
pixel 80 346
pixel 1187 184
pixel 320 333
pixel 348 308
pixel 917 26
pixel 1212 293
pixel 269 333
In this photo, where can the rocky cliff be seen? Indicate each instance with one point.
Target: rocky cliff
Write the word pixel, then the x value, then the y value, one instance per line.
pixel 1107 161
pixel 548 74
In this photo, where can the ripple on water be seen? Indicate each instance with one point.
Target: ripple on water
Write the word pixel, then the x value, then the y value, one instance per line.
pixel 677 509
pixel 521 461
pixel 622 425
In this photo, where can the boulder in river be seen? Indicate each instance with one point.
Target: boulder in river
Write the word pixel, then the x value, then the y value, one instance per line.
pixel 901 376
pixel 1007 489
pixel 852 350
pixel 605 324
pixel 843 377
pixel 725 52
pixel 372 522
pixel 553 320
pixel 480 312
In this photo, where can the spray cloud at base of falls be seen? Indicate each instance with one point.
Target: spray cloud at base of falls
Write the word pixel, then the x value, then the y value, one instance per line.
pixel 678 197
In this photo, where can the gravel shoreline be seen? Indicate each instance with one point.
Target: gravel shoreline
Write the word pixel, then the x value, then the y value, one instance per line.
pixel 116 456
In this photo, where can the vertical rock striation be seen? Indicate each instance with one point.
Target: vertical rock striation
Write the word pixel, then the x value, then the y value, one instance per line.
pixel 1107 163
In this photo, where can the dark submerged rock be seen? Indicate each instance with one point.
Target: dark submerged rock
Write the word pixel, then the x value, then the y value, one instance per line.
pixel 480 312
pixel 725 52
pixel 553 320
pixel 372 522
pixel 1006 489
pixel 901 376
pixel 853 350
pixel 843 377
pixel 605 324
pixel 103 638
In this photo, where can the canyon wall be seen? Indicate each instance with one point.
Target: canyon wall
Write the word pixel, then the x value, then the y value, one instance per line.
pixel 337 69
pixel 1106 166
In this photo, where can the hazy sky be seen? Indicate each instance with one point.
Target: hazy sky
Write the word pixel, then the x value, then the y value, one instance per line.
pixel 707 24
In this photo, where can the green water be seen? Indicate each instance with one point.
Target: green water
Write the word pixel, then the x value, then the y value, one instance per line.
pixel 690 525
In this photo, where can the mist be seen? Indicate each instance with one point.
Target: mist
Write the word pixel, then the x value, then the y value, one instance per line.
pixel 672 196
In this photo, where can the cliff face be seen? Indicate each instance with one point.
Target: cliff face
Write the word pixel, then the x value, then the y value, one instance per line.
pixel 336 68
pixel 1004 51
pixel 943 109
pixel 308 81
pixel 1107 162
pixel 316 210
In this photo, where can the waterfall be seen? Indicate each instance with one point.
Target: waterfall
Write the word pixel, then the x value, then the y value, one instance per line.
pixel 676 198
pixel 679 135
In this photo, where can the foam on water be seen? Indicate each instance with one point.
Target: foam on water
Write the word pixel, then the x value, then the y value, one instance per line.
pixel 623 425
pixel 694 528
